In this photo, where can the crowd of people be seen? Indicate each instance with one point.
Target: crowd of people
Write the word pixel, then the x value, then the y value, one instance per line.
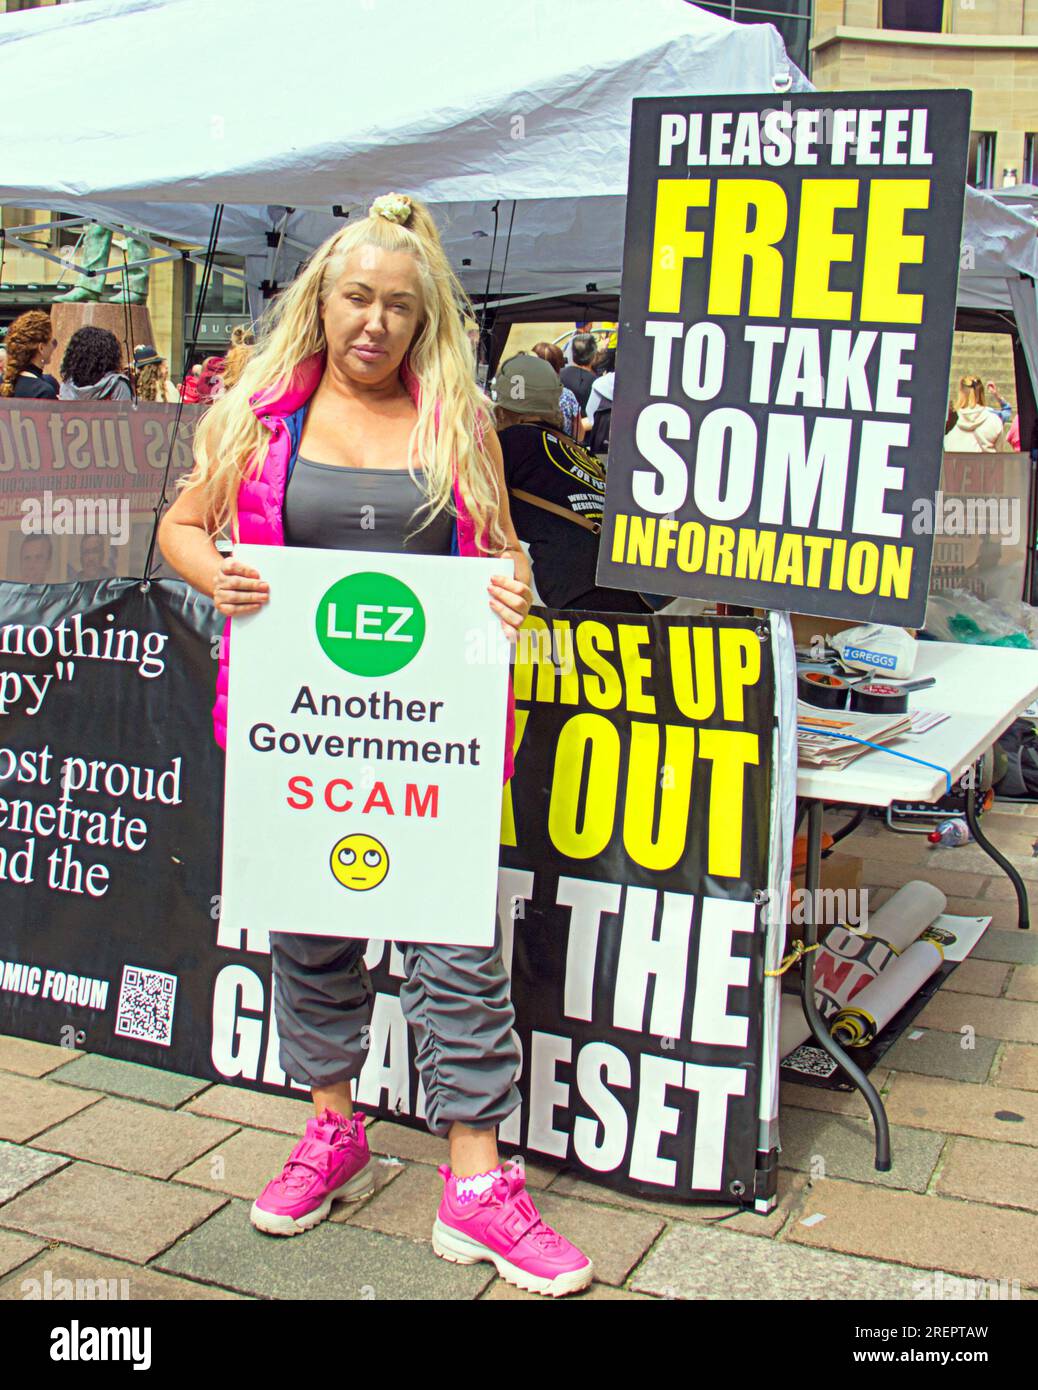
pixel 93 367
pixel 552 409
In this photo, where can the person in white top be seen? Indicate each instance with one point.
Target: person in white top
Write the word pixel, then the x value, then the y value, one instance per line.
pixel 976 430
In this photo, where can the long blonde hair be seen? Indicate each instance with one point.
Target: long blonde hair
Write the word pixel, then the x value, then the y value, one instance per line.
pixel 971 392
pixel 290 330
pixel 238 354
pixel 151 382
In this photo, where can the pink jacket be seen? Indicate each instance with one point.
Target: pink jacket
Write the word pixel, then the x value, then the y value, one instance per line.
pixel 260 502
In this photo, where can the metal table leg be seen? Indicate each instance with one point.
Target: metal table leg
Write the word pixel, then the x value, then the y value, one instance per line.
pixel 972 820
pixel 812 872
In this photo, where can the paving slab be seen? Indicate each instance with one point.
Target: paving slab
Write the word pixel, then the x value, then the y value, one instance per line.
pixel 925 861
pixel 1018 1067
pixel 1006 1175
pixel 842 1146
pixel 131 1080
pixel 696 1262
pixel 253 1109
pixel 979 977
pixel 241 1165
pixel 936 1053
pixel 1005 814
pixel 67 1273
pixel 135 1137
pixel 30 1058
pixel 791 1187
pixel 1024 984
pixel 1016 946
pixel 407 1208
pixel 1004 915
pixel 832 1102
pixel 984 1112
pixel 17 1250
pixel 879 873
pixel 1009 1020
pixel 113 1213
pixel 419 1146
pixel 29 1106
pixel 997 886
pixel 20 1167
pixel 931 1232
pixel 332 1261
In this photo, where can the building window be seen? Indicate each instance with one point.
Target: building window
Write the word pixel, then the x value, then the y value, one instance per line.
pixel 1030 155
pixel 924 16
pixel 792 18
pixel 225 295
pixel 980 171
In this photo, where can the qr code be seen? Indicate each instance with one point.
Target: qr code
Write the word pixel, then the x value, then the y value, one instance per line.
pixel 810 1061
pixel 145 1010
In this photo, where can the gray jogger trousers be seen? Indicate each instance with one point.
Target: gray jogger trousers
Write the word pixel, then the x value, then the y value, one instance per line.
pixel 457 1000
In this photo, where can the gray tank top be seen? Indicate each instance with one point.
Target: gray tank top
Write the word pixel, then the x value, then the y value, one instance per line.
pixel 333 508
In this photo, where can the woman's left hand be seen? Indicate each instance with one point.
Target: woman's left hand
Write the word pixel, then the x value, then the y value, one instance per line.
pixel 510 599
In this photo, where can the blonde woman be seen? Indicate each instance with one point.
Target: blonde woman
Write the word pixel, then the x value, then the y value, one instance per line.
pixel 242 342
pixel 360 387
pixel 977 429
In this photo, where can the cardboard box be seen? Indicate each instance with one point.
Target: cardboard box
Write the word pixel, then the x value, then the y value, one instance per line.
pixel 840 877
pixel 838 871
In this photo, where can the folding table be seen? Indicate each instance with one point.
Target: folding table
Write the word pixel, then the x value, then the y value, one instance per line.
pixel 982 690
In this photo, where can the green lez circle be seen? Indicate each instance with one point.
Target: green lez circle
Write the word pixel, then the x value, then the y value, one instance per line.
pixel 370 624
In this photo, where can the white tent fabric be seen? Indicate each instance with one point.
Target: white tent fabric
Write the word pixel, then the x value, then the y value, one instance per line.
pixel 532 112
pixel 998 262
pixel 453 101
pixel 534 116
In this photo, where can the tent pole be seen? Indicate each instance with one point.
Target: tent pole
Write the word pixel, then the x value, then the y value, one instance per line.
pixel 210 253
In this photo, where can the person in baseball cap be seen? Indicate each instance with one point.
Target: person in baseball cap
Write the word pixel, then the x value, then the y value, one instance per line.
pixel 527 386
pixel 556 489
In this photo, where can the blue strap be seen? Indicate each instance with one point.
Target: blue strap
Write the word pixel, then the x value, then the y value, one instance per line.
pixel 294 424
pixel 880 747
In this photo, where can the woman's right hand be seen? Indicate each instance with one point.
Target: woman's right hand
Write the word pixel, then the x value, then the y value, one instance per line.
pixel 237 589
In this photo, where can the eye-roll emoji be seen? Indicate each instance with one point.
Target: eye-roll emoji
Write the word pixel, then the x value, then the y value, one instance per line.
pixel 360 862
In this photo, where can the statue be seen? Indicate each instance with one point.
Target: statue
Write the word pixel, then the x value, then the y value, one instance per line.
pixel 97 244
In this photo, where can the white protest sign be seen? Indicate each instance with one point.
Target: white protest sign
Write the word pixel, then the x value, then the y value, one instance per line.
pixel 365 748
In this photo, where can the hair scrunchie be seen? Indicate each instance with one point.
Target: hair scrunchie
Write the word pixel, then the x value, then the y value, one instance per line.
pixel 394 207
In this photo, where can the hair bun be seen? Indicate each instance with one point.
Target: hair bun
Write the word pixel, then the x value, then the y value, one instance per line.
pixel 394 207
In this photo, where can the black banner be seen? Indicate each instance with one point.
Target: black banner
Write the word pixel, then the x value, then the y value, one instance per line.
pixel 635 855
pixel 789 283
pixel 111 787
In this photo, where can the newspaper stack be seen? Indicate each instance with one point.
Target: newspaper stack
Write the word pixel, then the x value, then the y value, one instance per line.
pixel 827 738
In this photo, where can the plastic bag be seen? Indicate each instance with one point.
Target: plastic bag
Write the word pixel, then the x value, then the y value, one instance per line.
pixel 955 615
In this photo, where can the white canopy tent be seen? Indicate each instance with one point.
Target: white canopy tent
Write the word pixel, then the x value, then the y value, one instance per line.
pixel 998 262
pixel 531 112
pixel 520 143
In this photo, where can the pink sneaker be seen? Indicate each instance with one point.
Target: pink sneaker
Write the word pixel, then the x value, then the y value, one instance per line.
pixel 331 1160
pixel 504 1226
